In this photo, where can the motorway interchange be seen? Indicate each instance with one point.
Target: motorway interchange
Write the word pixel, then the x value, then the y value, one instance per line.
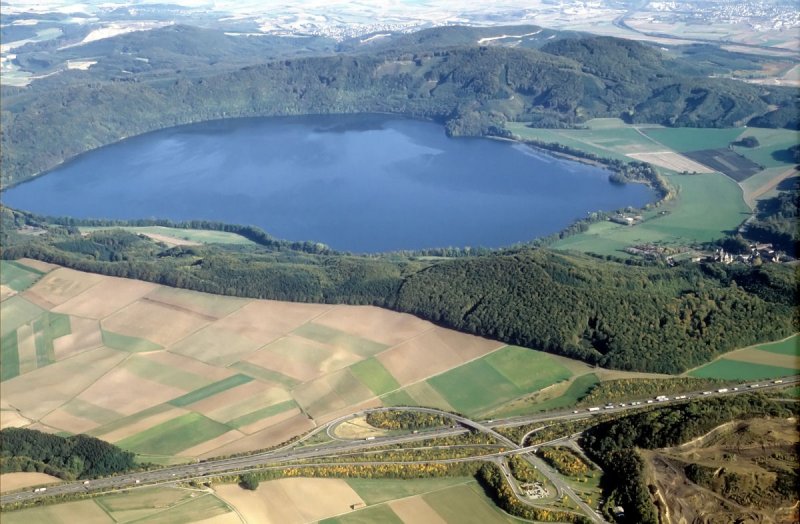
pixel 297 451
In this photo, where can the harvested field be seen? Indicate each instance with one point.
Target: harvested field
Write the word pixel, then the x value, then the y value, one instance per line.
pixel 216 306
pixel 62 420
pixel 330 393
pixel 671 160
pixel 307 358
pixel 726 161
pixel 137 423
pixel 151 321
pixel 60 285
pixel 415 509
pixel 12 481
pixel 266 320
pixel 208 446
pixel 6 292
pixel 38 265
pixel 216 346
pixel 85 336
pixel 43 390
pixel 382 514
pixel 26 348
pixel 372 323
pixel 106 297
pixel 419 358
pixel 167 359
pixel 764 184
pixel 134 504
pixel 375 491
pixel 292 500
pixel 201 506
pixel 210 390
pixel 120 389
pixel 266 438
pixel 241 400
pixel 84 511
pixel 468 347
pixel 10 418
pixel 126 343
pixel 265 375
pixel 339 339
pixel 265 418
pixel 174 377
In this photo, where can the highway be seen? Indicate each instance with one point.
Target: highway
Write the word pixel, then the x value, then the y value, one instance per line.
pixel 299 451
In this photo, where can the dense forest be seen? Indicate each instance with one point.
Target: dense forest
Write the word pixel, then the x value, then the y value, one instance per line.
pixel 619 315
pixel 472 90
pixel 79 456
pixel 612 444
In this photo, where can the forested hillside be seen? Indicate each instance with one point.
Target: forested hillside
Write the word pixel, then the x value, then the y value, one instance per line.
pixel 473 90
pixel 69 458
pixel 648 318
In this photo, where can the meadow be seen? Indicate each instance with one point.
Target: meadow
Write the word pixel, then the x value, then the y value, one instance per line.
pixel 174 236
pixel 763 361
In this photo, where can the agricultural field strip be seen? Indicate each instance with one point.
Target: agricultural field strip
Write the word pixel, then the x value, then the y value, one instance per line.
pixel 218 467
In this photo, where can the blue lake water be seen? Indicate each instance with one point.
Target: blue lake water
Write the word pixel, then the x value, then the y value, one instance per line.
pixel 362 183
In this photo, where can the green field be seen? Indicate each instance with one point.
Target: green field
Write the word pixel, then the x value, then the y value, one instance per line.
pixel 263 413
pixel 371 515
pixel 375 491
pixel 688 218
pixel 683 139
pixel 737 370
pixel 18 276
pixel 372 373
pixel 15 312
pixel 201 236
pixel 577 389
pixel 771 144
pixel 585 140
pixel 789 346
pixel 334 337
pixel 9 356
pixel 467 503
pixel 81 408
pixel 210 390
pixel 47 328
pixel 498 377
pixel 126 343
pixel 173 436
pixel 395 398
pixel 130 419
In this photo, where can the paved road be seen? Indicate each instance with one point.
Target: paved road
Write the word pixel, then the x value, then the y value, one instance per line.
pixel 283 456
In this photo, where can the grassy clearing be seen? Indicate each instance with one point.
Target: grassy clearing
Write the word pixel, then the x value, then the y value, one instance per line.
pixel 127 343
pixel 371 515
pixel 466 504
pixel 359 346
pixel 372 373
pixel 266 375
pixel 577 389
pixel 9 356
pixel 772 142
pixel 789 346
pixel 263 413
pixel 737 370
pixel 16 311
pixel 498 377
pixel 16 276
pixel 190 235
pixel 682 139
pixel 171 437
pixel 210 390
pixel 375 491
pixel 686 219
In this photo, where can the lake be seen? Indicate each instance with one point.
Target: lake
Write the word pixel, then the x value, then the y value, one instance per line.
pixel 361 183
